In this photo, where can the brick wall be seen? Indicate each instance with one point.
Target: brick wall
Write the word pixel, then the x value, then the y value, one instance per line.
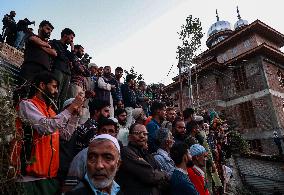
pixel 271 75
pixel 209 88
pixel 278 91
pixel 11 54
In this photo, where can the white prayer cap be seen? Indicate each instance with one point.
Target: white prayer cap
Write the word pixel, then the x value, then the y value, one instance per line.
pixel 110 138
pixel 198 118
pixel 113 119
pixel 68 102
pixel 92 64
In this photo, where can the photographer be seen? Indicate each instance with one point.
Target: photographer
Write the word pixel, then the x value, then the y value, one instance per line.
pixel 22 30
pixel 9 28
pixel 86 59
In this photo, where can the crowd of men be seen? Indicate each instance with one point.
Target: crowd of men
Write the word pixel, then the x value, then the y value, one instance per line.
pixel 80 130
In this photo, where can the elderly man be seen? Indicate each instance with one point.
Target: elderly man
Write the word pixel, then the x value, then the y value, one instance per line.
pixel 78 165
pixel 103 160
pixel 165 143
pixel 139 172
pixel 139 116
pixel 197 173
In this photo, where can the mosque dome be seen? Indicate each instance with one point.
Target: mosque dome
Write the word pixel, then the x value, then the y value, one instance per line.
pixel 241 22
pixel 218 27
pixel 218 31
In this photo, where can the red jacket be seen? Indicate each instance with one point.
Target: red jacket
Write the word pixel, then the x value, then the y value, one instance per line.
pixel 198 181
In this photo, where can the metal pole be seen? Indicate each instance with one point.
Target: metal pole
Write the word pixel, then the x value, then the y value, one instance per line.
pixel 197 87
pixel 180 83
pixel 190 83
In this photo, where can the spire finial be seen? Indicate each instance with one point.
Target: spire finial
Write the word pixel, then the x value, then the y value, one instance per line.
pixel 217 16
pixel 239 16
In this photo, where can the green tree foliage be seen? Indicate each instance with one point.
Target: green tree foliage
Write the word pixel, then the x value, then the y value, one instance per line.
pixel 7 133
pixel 190 36
pixel 237 143
pixel 138 77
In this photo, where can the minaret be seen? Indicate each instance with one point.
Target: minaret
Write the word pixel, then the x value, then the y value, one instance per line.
pixel 240 23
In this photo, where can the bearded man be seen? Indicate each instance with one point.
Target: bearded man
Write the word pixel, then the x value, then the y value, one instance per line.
pixel 103 160
pixel 38 52
pixel 121 116
pixel 38 125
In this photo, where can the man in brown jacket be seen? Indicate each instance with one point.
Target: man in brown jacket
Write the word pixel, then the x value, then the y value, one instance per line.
pixel 139 172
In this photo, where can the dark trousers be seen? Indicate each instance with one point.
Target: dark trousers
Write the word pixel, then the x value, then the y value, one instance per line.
pixel 41 187
pixel 64 81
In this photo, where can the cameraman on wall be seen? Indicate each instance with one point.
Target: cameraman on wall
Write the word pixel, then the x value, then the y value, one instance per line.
pixel 22 32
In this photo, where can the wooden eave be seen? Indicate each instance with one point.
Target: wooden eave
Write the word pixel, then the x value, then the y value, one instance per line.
pixel 263 49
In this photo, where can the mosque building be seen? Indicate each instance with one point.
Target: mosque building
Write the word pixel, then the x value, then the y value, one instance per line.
pixel 240 75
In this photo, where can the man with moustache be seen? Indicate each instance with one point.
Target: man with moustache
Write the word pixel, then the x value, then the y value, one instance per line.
pixel 180 182
pixel 121 115
pixel 103 161
pixel 170 117
pixel 139 173
pixel 38 53
pixel 39 124
pixel 62 63
pixel 179 131
pixel 78 165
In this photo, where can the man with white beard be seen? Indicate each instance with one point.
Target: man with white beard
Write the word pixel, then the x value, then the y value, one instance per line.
pixel 103 160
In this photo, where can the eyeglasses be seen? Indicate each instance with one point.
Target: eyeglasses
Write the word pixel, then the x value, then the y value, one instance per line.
pixel 140 133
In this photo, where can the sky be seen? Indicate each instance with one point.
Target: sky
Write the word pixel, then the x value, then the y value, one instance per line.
pixel 138 33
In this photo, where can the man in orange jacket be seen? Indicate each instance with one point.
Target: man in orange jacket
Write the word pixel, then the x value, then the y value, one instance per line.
pixel 39 124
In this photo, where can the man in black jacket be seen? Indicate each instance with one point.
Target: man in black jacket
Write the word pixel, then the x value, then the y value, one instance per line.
pixel 62 63
pixel 37 57
pixel 139 173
